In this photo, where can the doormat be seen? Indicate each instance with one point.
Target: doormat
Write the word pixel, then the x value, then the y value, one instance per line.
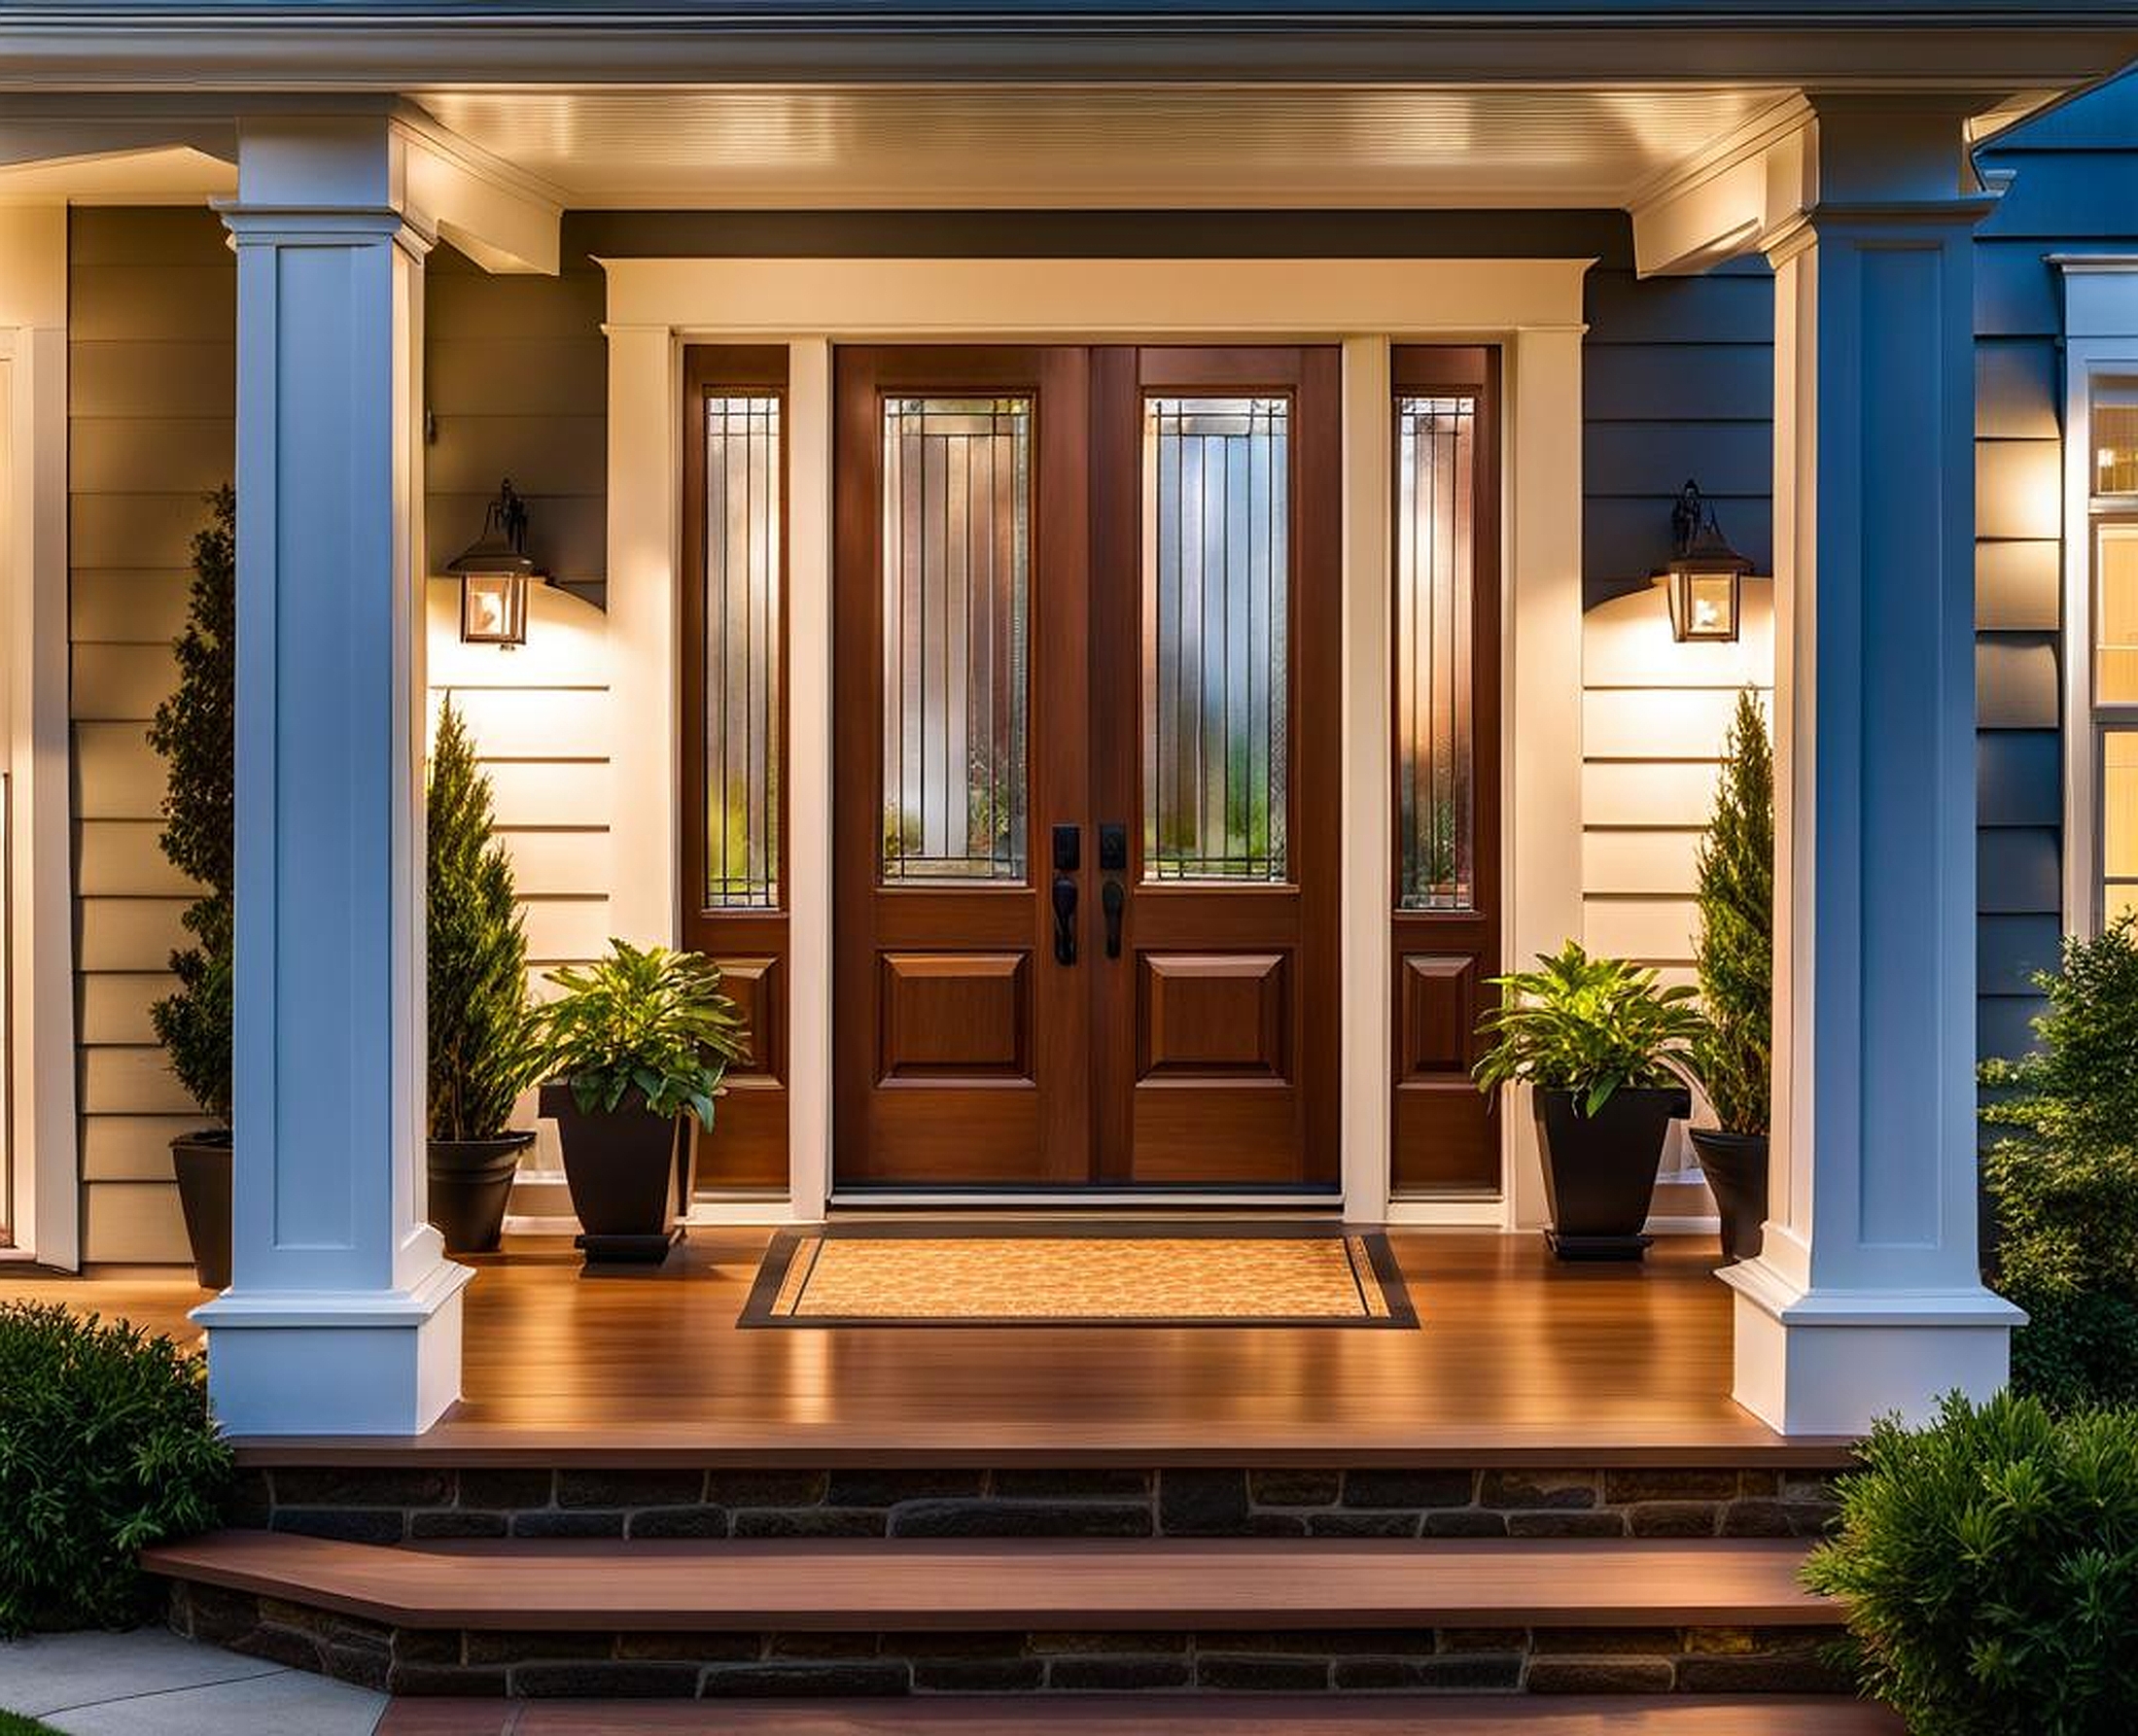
pixel 1040 1274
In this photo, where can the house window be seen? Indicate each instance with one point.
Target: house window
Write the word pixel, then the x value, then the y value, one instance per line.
pixel 2112 445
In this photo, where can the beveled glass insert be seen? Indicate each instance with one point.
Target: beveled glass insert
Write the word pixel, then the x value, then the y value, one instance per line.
pixel 2116 615
pixel 957 565
pixel 1217 607
pixel 743 522
pixel 1435 551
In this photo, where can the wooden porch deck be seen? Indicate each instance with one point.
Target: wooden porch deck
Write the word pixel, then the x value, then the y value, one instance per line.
pixel 1518 1360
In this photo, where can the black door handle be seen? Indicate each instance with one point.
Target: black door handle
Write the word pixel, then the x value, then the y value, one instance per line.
pixel 1111 898
pixel 1064 919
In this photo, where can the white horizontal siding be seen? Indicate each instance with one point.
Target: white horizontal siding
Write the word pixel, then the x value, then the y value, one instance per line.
pixel 151 385
pixel 539 715
pixel 1655 714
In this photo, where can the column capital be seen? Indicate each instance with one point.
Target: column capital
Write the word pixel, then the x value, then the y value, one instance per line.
pixel 324 225
pixel 1802 228
pixel 1882 155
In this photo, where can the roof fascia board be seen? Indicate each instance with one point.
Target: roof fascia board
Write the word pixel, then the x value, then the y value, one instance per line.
pixel 392 48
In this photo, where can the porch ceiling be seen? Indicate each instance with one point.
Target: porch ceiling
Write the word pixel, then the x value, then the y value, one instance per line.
pixel 1028 145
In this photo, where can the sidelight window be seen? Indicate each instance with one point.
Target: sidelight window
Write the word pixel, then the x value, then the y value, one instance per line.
pixel 743 517
pixel 1435 609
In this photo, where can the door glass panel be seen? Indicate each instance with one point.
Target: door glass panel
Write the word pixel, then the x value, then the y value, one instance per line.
pixel 741 652
pixel 1434 551
pixel 1217 667
pixel 957 536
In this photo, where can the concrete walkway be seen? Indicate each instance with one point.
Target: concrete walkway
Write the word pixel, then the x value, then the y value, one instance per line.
pixel 151 1682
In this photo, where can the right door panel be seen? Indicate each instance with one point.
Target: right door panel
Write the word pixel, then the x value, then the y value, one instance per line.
pixel 1446 876
pixel 1215 681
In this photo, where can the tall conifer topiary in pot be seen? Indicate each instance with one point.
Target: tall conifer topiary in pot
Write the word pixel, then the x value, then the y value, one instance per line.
pixel 481 1050
pixel 1734 1058
pixel 193 730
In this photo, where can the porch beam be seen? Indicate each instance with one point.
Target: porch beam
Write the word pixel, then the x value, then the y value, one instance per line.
pixel 1866 1296
pixel 344 1316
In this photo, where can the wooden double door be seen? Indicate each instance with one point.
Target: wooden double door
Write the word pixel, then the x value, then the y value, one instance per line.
pixel 1085 768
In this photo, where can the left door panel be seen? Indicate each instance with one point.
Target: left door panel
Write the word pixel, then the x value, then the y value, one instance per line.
pixel 961 1024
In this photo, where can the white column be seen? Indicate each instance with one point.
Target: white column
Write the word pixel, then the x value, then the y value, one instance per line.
pixel 344 1316
pixel 1866 1298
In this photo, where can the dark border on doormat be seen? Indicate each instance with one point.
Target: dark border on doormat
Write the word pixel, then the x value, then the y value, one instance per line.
pixel 788 1244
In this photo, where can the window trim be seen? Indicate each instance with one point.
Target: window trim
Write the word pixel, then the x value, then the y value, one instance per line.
pixel 2100 306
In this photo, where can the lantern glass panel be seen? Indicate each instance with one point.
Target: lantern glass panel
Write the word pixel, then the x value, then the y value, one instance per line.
pixel 492 608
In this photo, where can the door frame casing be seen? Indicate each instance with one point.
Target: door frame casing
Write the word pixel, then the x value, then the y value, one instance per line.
pixel 1530 307
pixel 41 1160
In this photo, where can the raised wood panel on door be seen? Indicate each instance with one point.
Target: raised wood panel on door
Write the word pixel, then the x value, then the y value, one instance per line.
pixel 1445 1133
pixel 1214 1016
pixel 749 1146
pixel 1218 1029
pixel 1443 1123
pixel 959 1042
pixel 963 1017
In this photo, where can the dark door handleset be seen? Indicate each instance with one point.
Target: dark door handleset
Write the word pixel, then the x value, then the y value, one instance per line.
pixel 1111 897
pixel 1064 919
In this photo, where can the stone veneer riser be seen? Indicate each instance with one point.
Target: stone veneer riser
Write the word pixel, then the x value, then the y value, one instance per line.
pixel 405 1503
pixel 536 1665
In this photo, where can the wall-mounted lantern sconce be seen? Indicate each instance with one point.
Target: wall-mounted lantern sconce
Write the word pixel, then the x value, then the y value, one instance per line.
pixel 1705 575
pixel 493 574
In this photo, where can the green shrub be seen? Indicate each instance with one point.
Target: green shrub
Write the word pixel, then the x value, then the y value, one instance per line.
pixel 193 731
pixel 105 1446
pixel 2067 1253
pixel 1590 1026
pixel 647 1019
pixel 2081 1086
pixel 2064 1179
pixel 1733 1057
pixel 1989 1565
pixel 480 1022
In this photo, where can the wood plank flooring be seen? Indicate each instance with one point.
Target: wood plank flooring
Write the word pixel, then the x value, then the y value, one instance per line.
pixel 908 1586
pixel 1518 1360
pixel 1141 1716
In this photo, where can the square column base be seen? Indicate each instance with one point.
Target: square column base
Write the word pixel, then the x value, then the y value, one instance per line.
pixel 335 1363
pixel 1812 1362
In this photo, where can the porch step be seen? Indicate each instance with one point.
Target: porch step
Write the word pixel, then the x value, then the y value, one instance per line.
pixel 898 1585
pixel 736 1619
pixel 1215 1714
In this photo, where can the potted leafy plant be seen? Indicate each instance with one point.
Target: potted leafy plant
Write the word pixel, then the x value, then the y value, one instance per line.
pixel 193 731
pixel 1600 1042
pixel 1734 1056
pixel 636 1047
pixel 481 1050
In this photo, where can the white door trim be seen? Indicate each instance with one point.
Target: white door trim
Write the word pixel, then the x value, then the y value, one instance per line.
pixel 1533 307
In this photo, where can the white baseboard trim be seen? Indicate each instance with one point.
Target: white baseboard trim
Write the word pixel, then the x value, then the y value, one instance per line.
pixel 1449 1214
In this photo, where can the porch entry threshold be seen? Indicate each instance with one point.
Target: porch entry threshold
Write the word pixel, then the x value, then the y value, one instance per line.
pixel 1099 1275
